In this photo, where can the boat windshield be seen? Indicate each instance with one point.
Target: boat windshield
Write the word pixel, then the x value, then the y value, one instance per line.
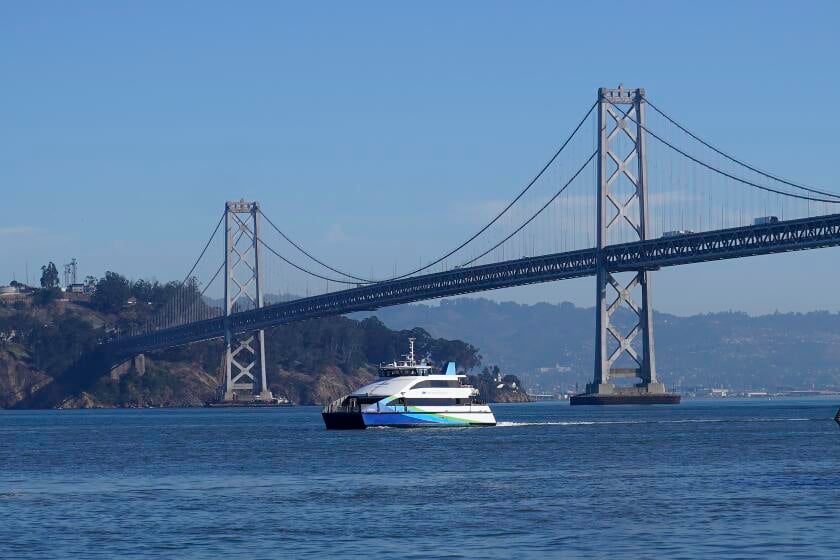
pixel 400 371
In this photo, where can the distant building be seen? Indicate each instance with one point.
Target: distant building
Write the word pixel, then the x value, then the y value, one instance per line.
pixel 12 293
pixel 76 288
pixel 557 368
pixel 21 287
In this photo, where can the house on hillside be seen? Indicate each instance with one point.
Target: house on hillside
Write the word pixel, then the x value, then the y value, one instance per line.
pixel 12 293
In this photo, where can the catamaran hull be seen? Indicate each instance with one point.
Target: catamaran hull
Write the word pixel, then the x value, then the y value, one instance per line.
pixel 343 420
pixel 361 420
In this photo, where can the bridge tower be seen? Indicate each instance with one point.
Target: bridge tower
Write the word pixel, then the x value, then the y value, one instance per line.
pixel 245 378
pixel 623 212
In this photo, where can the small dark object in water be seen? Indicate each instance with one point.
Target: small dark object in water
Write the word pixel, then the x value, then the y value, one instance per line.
pixel 837 416
pixel 660 398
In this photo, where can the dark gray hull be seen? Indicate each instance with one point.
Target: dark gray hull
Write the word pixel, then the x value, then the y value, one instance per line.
pixel 592 399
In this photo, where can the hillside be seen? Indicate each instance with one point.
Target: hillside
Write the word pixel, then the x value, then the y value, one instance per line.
pixel 552 345
pixel 310 362
pixel 549 347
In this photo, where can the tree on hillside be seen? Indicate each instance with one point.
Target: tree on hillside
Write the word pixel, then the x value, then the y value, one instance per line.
pixel 49 285
pixel 112 292
pixel 90 284
pixel 55 346
pixel 49 276
pixel 493 386
pixel 157 294
pixel 145 290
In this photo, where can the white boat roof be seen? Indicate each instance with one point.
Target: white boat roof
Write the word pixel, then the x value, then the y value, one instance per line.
pixel 387 386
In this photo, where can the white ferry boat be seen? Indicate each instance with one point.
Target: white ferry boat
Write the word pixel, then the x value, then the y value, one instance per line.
pixel 410 394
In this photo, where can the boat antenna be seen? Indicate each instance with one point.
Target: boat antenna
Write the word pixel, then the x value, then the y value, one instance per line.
pixel 411 350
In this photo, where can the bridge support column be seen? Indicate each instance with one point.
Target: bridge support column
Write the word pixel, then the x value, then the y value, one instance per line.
pixel 134 364
pixel 139 364
pixel 245 378
pixel 623 349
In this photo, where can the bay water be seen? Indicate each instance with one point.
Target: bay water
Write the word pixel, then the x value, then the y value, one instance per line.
pixel 705 479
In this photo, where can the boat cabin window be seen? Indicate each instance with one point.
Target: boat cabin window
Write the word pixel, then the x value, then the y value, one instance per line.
pixel 437 383
pixel 429 402
pixel 401 372
pixel 364 401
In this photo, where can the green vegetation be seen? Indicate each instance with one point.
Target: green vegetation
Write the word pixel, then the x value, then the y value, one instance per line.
pixel 50 346
pixel 49 291
pixel 49 276
pixel 496 387
pixel 310 362
pixel 155 387
pixel 113 291
pixel 316 361
pixel 349 345
pixel 16 350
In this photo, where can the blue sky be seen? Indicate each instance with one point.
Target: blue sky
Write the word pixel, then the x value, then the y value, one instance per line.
pixel 125 126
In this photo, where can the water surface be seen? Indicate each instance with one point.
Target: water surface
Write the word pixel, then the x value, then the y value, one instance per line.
pixel 705 479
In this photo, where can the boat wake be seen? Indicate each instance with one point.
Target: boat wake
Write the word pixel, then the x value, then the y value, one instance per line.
pixel 682 421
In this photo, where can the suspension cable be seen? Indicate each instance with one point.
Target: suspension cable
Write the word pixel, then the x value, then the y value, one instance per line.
pixel 209 241
pixel 532 218
pixel 465 243
pixel 210 283
pixel 420 269
pixel 315 274
pixel 715 169
pixel 520 228
pixel 508 207
pixel 740 162
pixel 302 250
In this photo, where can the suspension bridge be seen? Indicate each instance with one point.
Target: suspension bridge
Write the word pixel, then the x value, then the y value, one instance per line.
pixel 639 191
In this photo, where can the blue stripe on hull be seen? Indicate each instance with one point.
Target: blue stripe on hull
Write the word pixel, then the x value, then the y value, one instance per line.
pixel 411 419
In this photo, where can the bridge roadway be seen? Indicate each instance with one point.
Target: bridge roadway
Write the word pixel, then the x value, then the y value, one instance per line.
pixel 780 237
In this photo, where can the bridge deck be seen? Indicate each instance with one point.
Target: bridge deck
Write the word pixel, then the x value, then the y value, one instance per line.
pixel 783 236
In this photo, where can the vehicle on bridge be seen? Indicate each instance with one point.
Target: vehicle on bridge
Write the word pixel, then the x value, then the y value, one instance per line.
pixel 766 220
pixel 410 394
pixel 676 233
